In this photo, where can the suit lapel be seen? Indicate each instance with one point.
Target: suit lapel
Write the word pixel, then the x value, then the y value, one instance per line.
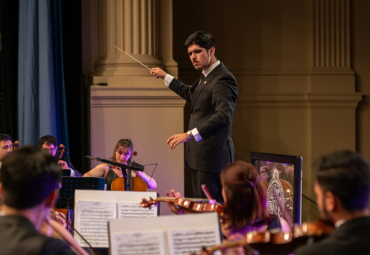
pixel 198 88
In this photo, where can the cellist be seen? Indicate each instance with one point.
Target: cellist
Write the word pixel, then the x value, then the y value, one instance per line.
pixel 122 153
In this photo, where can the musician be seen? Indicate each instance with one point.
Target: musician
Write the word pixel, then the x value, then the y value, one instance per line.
pixel 245 202
pixel 6 146
pixel 50 143
pixel 122 153
pixel 209 146
pixel 29 186
pixel 342 193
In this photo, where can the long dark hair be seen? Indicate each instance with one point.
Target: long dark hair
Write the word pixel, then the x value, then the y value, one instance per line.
pixel 245 196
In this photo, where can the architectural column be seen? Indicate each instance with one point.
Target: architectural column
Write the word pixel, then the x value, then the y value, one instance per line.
pixel 134 104
pixel 141 28
pixel 332 49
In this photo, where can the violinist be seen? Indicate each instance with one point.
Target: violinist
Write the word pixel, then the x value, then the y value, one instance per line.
pixel 6 146
pixel 122 153
pixel 29 186
pixel 245 202
pixel 342 193
pixel 50 144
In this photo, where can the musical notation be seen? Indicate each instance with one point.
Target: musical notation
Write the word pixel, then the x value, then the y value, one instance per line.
pixel 145 242
pixel 93 220
pixel 191 241
pixel 134 210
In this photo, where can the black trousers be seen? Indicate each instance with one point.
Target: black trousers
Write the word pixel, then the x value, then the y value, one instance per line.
pixel 212 181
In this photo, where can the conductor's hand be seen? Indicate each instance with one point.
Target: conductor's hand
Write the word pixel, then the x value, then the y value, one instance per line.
pixel 171 205
pixel 177 139
pixel 63 164
pixel 158 73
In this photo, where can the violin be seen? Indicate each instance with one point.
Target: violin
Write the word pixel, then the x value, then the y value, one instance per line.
pixel 138 184
pixel 279 243
pixel 191 205
pixel 55 229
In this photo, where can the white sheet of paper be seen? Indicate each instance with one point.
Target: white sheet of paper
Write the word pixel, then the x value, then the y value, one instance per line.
pixel 203 226
pixel 185 241
pixel 134 210
pixel 145 242
pixel 93 222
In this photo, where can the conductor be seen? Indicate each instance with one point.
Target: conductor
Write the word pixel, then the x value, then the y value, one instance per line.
pixel 209 147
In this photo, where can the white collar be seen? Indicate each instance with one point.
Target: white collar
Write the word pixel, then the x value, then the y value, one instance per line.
pixel 339 222
pixel 210 69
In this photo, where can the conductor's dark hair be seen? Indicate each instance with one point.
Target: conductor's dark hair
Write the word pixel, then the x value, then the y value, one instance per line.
pixel 28 176
pixel 201 38
pixel 5 137
pixel 346 174
pixel 48 139
pixel 245 196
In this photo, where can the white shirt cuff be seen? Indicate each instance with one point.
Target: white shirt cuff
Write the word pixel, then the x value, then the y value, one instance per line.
pixel 196 134
pixel 167 79
pixel 73 174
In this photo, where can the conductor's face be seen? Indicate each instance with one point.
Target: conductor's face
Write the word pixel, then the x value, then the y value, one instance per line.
pixel 200 57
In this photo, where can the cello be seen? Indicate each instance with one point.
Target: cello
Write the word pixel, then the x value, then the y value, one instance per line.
pixel 138 184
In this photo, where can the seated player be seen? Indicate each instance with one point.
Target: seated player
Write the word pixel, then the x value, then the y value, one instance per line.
pixel 342 193
pixel 122 153
pixel 50 143
pixel 6 146
pixel 29 186
pixel 244 202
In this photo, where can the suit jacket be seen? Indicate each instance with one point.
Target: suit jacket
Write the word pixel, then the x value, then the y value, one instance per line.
pixel 213 104
pixel 19 236
pixel 352 237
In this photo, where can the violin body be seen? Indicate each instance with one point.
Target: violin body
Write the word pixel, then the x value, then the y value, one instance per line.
pixel 278 243
pixel 189 205
pixel 138 184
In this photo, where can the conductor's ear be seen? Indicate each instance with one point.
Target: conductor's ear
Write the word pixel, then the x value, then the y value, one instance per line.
pixel 212 51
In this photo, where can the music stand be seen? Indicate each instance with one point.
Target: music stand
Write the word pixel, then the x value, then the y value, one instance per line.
pixel 137 167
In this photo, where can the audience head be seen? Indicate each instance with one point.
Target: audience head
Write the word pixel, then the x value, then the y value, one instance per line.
pixel 6 145
pixel 29 176
pixel 244 196
pixel 123 150
pixel 49 143
pixel 342 181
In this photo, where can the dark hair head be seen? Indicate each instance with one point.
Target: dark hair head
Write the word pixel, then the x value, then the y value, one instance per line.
pixel 5 137
pixel 127 143
pixel 201 38
pixel 346 174
pixel 245 196
pixel 28 176
pixel 48 139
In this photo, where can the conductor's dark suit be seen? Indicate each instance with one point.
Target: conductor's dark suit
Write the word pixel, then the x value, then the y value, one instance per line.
pixel 213 102
pixel 352 237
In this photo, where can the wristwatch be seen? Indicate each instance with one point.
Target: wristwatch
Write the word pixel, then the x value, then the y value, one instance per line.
pixel 190 134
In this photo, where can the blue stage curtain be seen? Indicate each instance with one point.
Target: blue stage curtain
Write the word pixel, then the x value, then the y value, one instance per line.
pixel 41 93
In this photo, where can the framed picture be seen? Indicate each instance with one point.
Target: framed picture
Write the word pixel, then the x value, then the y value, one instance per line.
pixel 282 177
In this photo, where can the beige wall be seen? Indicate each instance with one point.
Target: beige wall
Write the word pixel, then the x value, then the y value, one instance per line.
pixel 288 102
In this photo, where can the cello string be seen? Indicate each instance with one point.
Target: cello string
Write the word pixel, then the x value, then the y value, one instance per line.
pixel 133 58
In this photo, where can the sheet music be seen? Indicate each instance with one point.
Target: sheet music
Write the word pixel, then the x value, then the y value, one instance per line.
pixel 145 242
pixel 134 210
pixel 93 217
pixel 192 240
